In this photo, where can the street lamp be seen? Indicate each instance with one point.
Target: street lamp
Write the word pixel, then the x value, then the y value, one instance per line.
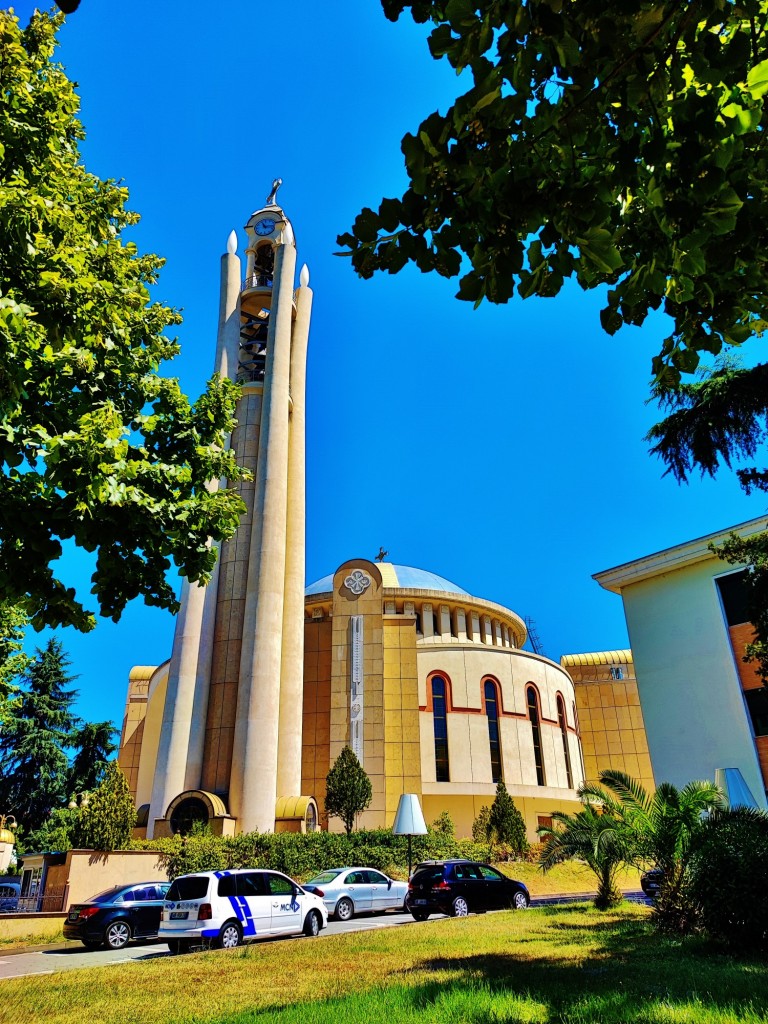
pixel 7 839
pixel 409 821
pixel 79 800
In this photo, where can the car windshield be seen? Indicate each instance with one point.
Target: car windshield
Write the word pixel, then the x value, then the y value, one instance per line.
pixel 325 877
pixel 108 896
pixel 189 887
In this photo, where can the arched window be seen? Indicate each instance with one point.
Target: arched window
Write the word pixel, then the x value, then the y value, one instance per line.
pixel 533 714
pixel 578 737
pixel 440 718
pixel 564 733
pixel 492 714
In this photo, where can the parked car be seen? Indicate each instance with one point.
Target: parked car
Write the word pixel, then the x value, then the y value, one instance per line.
pixel 117 915
pixel 10 890
pixel 650 882
pixel 225 908
pixel 460 887
pixel 350 891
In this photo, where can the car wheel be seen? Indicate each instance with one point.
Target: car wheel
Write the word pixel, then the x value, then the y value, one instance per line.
pixel 312 924
pixel 419 915
pixel 230 935
pixel 459 908
pixel 520 901
pixel 345 908
pixel 405 909
pixel 179 945
pixel 117 935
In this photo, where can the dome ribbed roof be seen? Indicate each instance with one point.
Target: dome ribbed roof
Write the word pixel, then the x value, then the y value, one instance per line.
pixel 402 576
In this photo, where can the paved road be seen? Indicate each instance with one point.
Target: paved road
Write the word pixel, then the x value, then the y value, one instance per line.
pixel 49 961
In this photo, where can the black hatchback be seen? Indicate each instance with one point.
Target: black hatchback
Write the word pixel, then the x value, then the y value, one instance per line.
pixel 460 887
pixel 118 915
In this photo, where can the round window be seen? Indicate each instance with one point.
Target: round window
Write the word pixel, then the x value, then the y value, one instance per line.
pixel 190 812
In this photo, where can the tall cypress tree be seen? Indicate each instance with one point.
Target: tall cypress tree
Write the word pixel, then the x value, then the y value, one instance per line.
pixel 93 744
pixel 33 764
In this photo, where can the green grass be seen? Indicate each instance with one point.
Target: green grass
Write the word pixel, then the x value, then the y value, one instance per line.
pixel 558 965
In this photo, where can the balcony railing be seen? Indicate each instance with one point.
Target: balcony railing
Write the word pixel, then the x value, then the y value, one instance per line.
pixel 257 281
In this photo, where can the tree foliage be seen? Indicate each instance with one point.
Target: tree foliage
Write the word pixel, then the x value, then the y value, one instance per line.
pixel 13 661
pixel 33 763
pixel 619 146
pixel 106 820
pixel 94 744
pixel 665 825
pixel 347 789
pixel 505 822
pixel 96 447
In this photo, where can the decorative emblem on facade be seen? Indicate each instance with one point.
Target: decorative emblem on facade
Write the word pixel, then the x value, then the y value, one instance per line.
pixel 357 582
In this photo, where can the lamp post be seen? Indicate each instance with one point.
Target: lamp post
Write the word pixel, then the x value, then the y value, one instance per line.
pixel 409 821
pixel 79 800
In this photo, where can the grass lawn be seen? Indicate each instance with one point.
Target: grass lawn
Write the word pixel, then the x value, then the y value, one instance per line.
pixel 570 965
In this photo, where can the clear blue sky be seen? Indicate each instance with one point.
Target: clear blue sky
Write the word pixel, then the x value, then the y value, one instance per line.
pixel 502 448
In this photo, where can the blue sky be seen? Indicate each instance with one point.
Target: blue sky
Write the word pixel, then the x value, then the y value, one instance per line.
pixel 502 448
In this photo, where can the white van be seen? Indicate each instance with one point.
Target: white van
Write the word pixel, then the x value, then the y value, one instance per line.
pixel 225 908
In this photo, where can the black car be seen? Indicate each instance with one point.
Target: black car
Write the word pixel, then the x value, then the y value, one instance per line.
pixel 650 882
pixel 458 887
pixel 118 915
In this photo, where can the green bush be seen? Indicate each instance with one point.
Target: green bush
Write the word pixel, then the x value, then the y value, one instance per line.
pixel 727 877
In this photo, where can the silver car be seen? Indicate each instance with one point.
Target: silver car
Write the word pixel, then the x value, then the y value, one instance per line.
pixel 349 891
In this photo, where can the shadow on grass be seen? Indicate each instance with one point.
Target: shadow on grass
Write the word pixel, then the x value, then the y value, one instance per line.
pixel 632 975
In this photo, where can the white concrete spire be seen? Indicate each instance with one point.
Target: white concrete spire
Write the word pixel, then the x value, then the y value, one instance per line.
pixel 232 242
pixel 304 276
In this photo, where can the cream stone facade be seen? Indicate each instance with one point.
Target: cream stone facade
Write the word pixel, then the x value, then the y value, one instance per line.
pixel 266 683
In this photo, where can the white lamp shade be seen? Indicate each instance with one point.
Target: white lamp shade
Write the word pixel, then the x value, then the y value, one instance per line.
pixel 409 820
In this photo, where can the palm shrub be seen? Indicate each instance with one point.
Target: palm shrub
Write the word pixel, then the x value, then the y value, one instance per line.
pixel 665 824
pixel 598 835
pixel 727 876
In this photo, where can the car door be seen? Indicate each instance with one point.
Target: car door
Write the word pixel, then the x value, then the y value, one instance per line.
pixel 497 894
pixel 471 886
pixel 381 891
pixel 250 902
pixel 138 907
pixel 359 888
pixel 286 904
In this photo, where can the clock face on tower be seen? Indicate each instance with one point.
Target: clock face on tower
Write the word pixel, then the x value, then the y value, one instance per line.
pixel 265 226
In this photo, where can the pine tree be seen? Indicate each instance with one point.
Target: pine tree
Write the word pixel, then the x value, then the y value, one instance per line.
pixel 506 822
pixel 347 788
pixel 108 817
pixel 94 745
pixel 39 722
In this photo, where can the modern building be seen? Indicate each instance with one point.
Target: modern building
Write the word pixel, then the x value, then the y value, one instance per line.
pixel 705 709
pixel 267 682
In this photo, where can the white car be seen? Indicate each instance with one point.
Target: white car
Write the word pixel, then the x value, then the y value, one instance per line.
pixel 226 908
pixel 349 891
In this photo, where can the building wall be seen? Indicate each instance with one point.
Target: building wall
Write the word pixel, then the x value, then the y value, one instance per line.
pixel 132 734
pixel 316 745
pixel 688 679
pixel 611 720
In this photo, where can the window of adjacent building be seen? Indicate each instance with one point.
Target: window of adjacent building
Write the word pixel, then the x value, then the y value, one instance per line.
pixel 492 714
pixel 564 734
pixel 533 714
pixel 733 594
pixel 440 718
pixel 757 705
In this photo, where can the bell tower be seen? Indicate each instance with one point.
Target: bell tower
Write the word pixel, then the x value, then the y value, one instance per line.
pixel 230 738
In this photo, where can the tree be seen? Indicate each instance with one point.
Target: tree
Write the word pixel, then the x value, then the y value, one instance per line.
pixel 601 837
pixel 94 745
pixel 13 661
pixel 347 789
pixel 665 824
pixel 33 763
pixel 505 822
pixel 95 446
pixel 481 827
pixel 106 820
pixel 624 149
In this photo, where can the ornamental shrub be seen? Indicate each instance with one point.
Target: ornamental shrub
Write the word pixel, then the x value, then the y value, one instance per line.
pixel 726 886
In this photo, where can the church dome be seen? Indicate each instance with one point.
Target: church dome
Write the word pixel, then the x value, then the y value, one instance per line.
pixel 396 576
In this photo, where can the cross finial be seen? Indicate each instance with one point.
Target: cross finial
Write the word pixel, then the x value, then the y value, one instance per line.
pixel 381 555
pixel 275 186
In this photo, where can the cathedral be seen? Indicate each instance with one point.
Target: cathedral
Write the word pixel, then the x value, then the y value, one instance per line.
pixel 269 679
